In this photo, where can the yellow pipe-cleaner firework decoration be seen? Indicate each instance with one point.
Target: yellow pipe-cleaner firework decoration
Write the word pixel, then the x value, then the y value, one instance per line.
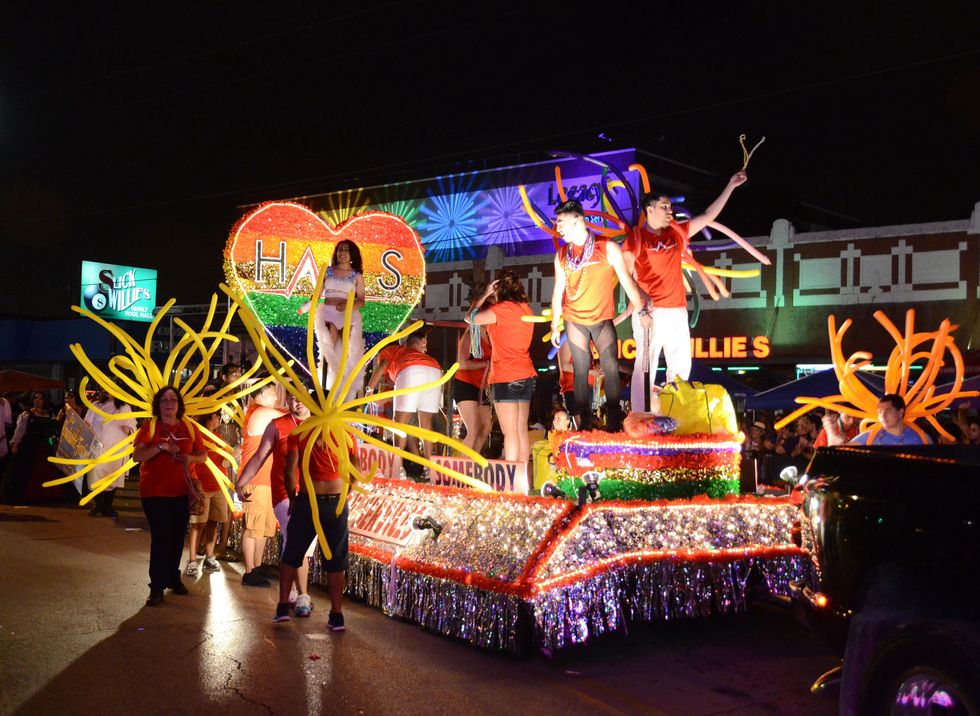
pixel 334 420
pixel 135 378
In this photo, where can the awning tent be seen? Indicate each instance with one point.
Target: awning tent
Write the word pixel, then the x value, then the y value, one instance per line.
pixel 816 385
pixel 15 381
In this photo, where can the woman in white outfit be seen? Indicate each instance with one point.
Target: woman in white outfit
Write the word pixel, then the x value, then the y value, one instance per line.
pixel 344 275
pixel 109 433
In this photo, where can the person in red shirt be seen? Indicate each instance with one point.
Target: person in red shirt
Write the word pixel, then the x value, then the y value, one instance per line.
pixel 215 507
pixel 512 375
pixel 256 492
pixel 586 269
pixel 469 386
pixel 165 454
pixel 409 366
pixel 327 485
pixel 652 252
pixel 838 428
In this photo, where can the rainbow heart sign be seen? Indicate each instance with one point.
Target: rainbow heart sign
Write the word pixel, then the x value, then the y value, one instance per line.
pixel 274 255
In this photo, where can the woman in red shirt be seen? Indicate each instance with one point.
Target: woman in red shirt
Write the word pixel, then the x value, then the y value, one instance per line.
pixel 165 454
pixel 512 375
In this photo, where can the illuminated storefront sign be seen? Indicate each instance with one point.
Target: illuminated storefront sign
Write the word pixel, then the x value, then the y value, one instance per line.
pixel 714 347
pixel 119 292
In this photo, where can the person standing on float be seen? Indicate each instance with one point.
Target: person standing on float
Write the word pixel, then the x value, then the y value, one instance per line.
pixel 652 252
pixel 586 269
pixel 344 275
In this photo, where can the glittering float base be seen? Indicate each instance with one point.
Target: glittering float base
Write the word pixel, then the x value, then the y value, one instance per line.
pixel 663 591
pixel 509 571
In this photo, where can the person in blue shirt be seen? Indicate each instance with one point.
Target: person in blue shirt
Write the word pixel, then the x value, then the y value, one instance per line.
pixel 891 415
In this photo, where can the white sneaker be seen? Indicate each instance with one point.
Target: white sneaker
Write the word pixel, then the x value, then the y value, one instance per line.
pixel 304 605
pixel 191 570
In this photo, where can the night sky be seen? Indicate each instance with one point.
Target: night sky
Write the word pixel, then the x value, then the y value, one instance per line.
pixel 133 138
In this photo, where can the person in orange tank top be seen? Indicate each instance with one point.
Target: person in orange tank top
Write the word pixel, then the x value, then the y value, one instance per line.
pixel 255 491
pixel 512 375
pixel 586 269
pixel 652 252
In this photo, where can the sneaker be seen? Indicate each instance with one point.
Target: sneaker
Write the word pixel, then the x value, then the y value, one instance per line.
pixel 335 622
pixel 304 605
pixel 179 588
pixel 155 598
pixel 211 564
pixel 264 570
pixel 191 570
pixel 282 613
pixel 251 579
pixel 110 513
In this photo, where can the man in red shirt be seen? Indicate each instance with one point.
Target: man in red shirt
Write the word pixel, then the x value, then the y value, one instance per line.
pixel 327 485
pixel 652 252
pixel 409 366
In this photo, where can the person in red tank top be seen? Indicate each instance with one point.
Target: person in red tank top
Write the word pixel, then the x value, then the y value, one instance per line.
pixel 586 269
pixel 215 507
pixel 652 252
pixel 512 374
pixel 469 387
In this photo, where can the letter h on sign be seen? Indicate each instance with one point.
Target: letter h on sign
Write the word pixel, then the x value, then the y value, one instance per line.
pixel 279 260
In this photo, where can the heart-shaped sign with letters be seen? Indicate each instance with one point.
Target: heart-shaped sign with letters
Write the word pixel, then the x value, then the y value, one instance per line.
pixel 275 253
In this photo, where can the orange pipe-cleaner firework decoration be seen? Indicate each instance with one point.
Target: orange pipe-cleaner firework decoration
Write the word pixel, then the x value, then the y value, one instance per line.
pixel 921 403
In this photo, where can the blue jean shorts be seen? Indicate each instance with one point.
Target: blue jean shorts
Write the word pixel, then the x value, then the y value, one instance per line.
pixel 516 391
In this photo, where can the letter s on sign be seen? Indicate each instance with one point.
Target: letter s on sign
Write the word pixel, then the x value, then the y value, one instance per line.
pixel 393 281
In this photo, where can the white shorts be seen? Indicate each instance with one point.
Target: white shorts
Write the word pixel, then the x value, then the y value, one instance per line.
pixel 426 401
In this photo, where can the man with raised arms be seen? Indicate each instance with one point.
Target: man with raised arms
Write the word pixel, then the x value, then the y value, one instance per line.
pixel 652 252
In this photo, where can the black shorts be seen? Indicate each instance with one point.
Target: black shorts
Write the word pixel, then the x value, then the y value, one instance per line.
pixel 300 532
pixel 516 391
pixel 463 391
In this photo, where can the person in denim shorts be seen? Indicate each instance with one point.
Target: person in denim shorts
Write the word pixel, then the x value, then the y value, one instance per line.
pixel 512 375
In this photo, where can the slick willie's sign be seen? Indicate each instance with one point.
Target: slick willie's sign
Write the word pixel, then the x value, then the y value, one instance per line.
pixel 119 292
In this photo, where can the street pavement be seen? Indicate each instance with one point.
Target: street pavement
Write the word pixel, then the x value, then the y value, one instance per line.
pixel 75 638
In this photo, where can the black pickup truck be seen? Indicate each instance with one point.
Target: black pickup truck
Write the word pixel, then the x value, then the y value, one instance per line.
pixel 894 536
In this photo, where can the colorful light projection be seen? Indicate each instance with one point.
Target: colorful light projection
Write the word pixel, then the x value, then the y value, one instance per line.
pixel 450 228
pixel 274 255
pixel 460 216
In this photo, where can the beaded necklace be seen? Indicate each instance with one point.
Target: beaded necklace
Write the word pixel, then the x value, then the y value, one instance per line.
pixel 574 264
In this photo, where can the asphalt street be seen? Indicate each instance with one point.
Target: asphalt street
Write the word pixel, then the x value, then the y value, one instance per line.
pixel 75 638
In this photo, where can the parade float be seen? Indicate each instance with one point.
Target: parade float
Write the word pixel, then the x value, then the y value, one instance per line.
pixel 645 525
